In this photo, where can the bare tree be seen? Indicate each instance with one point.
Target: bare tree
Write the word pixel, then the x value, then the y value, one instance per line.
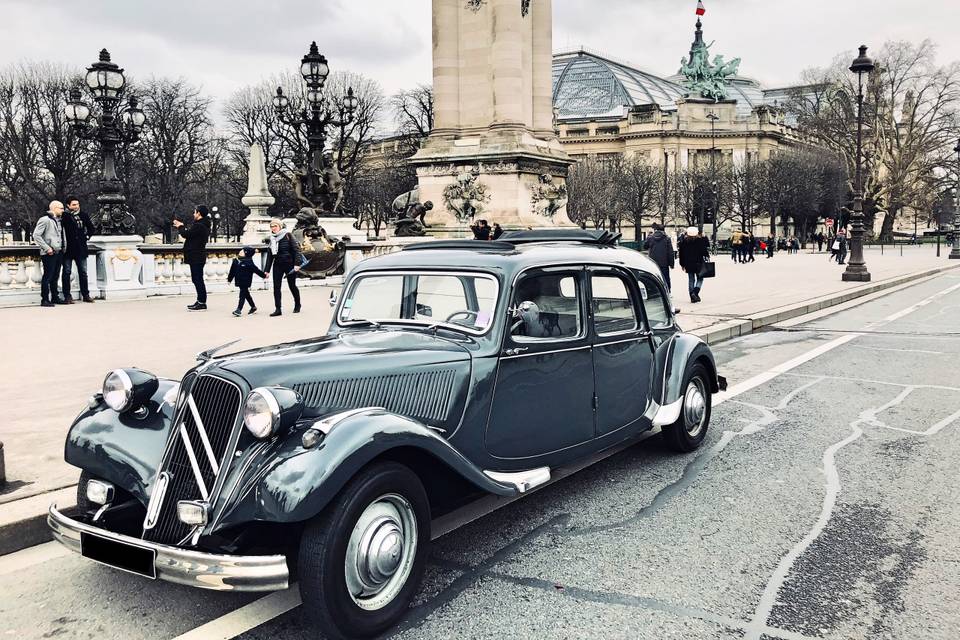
pixel 594 193
pixel 413 111
pixel 640 190
pixel 375 189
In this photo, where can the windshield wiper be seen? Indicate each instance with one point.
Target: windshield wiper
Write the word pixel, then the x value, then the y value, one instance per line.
pixel 372 323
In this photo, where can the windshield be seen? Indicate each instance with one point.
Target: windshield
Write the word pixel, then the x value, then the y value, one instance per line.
pixel 465 301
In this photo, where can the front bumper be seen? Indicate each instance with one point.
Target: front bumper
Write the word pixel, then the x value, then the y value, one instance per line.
pixel 192 568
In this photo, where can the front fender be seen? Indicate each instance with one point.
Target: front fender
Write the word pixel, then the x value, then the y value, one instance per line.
pixel 120 448
pixel 673 358
pixel 292 484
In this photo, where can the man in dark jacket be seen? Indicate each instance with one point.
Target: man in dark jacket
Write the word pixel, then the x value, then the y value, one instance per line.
pixel 694 250
pixel 660 249
pixel 77 228
pixel 195 252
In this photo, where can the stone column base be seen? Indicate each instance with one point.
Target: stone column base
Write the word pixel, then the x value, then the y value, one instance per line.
pixel 120 267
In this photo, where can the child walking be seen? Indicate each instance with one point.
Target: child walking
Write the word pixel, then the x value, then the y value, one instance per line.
pixel 241 272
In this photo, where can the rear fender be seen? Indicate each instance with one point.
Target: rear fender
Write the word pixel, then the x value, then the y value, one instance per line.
pixel 284 482
pixel 674 357
pixel 119 447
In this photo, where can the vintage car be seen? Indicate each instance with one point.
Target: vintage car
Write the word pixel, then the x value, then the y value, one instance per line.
pixel 451 370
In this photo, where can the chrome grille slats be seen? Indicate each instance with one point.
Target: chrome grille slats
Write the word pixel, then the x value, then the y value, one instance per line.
pixel 218 406
pixel 424 395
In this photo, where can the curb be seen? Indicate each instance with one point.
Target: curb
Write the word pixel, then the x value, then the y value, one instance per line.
pixel 23 523
pixel 748 324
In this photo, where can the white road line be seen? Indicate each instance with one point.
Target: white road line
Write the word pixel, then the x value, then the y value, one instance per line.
pixel 246 617
pixel 275 604
pixel 932 353
pixel 26 558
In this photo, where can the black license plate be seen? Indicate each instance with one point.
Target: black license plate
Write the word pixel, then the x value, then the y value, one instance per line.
pixel 129 557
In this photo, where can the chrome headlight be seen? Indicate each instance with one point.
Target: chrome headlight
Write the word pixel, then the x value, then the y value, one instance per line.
pixel 126 388
pixel 267 409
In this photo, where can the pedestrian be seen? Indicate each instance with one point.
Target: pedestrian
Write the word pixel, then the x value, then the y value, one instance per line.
pixel 749 243
pixel 820 240
pixel 481 231
pixel 195 252
pixel 694 252
pixel 48 234
pixel 497 231
pixel 77 228
pixel 842 249
pixel 660 250
pixel 735 241
pixel 284 260
pixel 771 245
pixel 241 273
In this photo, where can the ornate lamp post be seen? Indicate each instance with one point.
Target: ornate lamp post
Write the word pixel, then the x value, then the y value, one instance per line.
pixel 115 123
pixel 712 117
pixel 955 251
pixel 216 222
pixel 315 119
pixel 857 266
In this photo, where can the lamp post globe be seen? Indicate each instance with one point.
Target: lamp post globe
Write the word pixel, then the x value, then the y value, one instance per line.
pixel 955 250
pixel 109 124
pixel 856 270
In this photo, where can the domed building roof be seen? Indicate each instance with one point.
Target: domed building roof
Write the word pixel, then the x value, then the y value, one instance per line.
pixel 587 85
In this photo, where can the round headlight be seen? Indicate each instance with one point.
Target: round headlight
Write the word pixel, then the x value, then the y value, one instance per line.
pixel 261 413
pixel 117 390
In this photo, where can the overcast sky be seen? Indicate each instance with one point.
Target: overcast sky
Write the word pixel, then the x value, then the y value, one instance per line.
pixel 222 45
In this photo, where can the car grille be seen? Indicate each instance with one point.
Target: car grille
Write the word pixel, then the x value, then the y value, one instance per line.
pixel 190 463
pixel 424 395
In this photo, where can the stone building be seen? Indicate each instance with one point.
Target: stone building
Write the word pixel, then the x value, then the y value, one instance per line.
pixel 604 106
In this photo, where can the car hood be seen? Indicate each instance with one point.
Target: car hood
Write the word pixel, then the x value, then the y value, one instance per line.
pixel 418 375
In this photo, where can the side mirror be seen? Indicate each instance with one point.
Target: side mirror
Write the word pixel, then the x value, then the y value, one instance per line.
pixel 333 298
pixel 424 310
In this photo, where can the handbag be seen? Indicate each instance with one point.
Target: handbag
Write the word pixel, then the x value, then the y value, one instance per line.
pixel 708 270
pixel 836 245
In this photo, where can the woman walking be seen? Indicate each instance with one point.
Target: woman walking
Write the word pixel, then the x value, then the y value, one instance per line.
pixel 694 251
pixel 284 259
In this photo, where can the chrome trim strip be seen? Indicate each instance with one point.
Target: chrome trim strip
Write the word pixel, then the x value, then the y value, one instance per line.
pixel 645 336
pixel 540 353
pixel 193 462
pixel 203 434
pixel 156 500
pixel 181 566
pixel 523 481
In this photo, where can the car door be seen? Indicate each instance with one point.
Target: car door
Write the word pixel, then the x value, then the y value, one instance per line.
pixel 622 350
pixel 543 401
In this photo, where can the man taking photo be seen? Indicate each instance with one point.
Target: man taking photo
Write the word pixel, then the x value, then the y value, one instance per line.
pixel 77 228
pixel 195 252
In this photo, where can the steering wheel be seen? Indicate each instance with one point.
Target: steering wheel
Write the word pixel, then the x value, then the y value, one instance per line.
pixel 469 316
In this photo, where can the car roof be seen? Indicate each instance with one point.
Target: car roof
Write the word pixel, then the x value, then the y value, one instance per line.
pixel 506 258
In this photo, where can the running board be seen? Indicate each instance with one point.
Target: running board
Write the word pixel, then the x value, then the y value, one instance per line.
pixel 522 481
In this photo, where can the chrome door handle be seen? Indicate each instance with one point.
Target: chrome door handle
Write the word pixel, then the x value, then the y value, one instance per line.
pixel 515 352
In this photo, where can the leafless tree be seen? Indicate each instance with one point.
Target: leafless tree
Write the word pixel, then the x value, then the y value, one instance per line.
pixel 374 190
pixel 413 111
pixel 640 190
pixel 594 195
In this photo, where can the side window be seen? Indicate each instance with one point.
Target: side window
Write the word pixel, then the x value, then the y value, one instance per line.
pixel 655 303
pixel 549 307
pixel 442 295
pixel 613 310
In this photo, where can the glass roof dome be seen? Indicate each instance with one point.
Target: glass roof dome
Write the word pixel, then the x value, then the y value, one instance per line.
pixel 588 85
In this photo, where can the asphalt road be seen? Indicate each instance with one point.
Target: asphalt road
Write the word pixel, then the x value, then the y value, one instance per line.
pixel 823 505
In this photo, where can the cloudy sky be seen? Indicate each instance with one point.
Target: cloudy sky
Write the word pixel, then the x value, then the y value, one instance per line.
pixel 226 44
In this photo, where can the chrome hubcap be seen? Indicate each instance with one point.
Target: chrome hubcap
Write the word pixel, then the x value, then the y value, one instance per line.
pixel 694 407
pixel 381 551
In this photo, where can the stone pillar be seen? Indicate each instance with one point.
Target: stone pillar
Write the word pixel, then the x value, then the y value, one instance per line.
pixel 119 267
pixel 541 16
pixel 446 68
pixel 507 64
pixel 258 199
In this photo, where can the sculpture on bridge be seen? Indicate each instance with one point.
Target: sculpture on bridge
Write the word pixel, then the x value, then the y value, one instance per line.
pixel 701 77
pixel 465 197
pixel 548 197
pixel 324 254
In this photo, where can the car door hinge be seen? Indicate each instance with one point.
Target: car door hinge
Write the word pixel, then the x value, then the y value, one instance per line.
pixel 596 402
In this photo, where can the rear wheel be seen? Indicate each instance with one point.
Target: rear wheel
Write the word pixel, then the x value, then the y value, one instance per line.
pixel 362 559
pixel 690 429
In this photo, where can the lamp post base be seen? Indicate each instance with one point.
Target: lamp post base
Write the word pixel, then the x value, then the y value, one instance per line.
pixel 856 273
pixel 954 255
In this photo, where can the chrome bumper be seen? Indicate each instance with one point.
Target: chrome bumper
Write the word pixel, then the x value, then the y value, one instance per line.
pixel 192 568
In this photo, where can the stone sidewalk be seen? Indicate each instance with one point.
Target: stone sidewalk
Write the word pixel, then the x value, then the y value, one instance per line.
pixel 55 358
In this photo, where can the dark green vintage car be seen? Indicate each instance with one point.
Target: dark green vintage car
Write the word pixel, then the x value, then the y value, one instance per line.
pixel 452 370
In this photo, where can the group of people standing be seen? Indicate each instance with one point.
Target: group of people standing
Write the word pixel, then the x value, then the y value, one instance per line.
pixel 284 258
pixel 483 231
pixel 62 237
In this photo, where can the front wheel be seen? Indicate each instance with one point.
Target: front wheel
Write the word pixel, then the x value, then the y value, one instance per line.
pixel 361 560
pixel 690 429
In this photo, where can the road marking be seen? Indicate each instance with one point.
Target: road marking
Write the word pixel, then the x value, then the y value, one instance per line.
pixel 269 607
pixel 246 617
pixel 26 558
pixel 932 353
